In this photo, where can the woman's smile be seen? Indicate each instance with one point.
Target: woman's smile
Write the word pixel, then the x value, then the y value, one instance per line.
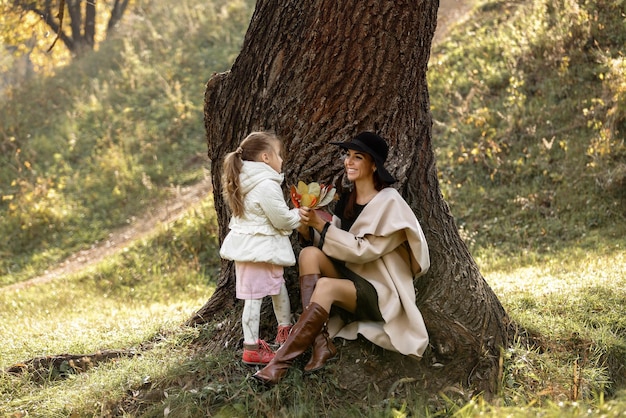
pixel 358 165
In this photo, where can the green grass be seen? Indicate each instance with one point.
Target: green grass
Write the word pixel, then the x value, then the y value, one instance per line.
pixel 529 108
pixel 573 303
pixel 136 300
pixel 120 302
pixel 528 124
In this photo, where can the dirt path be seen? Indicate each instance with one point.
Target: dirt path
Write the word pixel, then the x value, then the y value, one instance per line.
pixel 181 200
pixel 450 12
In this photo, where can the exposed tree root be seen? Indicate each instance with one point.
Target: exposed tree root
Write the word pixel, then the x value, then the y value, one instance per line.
pixel 62 365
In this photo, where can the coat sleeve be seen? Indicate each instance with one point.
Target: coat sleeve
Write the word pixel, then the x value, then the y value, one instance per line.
pixel 347 247
pixel 376 233
pixel 316 235
pixel 273 204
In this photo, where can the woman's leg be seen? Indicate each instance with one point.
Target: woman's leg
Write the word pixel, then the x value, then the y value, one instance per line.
pixel 334 290
pixel 313 264
pixel 302 335
pixel 313 261
pixel 342 293
pixel 330 291
pixel 309 328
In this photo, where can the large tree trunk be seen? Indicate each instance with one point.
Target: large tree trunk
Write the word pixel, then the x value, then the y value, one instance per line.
pixel 316 72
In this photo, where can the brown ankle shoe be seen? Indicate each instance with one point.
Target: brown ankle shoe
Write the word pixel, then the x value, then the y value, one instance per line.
pixel 301 337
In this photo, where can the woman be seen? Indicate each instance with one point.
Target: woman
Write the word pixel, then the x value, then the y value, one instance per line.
pixel 362 265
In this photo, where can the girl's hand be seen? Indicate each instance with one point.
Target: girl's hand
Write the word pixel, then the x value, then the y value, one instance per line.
pixel 304 215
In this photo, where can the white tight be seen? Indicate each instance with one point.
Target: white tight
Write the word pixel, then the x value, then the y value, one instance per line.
pixel 251 316
pixel 282 306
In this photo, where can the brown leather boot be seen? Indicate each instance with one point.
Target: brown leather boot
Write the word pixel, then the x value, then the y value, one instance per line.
pixel 323 347
pixel 323 350
pixel 307 286
pixel 300 338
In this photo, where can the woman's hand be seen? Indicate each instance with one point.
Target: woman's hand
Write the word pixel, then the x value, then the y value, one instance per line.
pixel 309 217
pixel 304 231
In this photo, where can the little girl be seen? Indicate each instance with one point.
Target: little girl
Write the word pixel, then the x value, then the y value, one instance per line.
pixel 258 240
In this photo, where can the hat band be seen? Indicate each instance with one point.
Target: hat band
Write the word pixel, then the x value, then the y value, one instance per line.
pixel 366 149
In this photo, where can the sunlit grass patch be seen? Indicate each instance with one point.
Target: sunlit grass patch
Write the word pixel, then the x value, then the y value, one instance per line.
pixel 527 121
pixel 70 321
pixel 574 290
pixel 572 302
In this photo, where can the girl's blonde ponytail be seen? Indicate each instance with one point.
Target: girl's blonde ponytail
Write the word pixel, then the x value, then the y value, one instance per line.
pixel 250 149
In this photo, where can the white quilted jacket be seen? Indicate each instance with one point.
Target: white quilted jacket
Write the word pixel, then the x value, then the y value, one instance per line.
pixel 262 233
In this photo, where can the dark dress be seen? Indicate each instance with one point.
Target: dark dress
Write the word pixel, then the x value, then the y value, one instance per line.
pixel 366 296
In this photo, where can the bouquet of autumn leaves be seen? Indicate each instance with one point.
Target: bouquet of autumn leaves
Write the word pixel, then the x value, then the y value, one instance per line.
pixel 314 196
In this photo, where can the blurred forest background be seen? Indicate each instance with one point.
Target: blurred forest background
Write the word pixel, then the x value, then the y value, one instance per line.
pixel 106 130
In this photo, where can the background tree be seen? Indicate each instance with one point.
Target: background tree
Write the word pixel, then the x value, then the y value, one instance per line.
pixel 316 72
pixel 74 22
pixel 30 31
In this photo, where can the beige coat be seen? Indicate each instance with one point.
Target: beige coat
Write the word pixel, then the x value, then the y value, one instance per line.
pixel 387 247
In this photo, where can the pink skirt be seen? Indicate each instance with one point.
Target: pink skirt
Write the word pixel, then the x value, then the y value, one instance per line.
pixel 257 280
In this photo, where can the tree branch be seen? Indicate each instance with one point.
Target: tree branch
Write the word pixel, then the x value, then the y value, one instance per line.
pixel 46 16
pixel 61 365
pixel 60 17
pixel 116 13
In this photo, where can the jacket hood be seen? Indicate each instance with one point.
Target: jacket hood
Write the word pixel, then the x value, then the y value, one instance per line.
pixel 253 172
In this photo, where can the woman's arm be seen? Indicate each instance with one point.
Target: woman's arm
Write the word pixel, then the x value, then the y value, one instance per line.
pixel 345 246
pixel 311 218
pixel 313 223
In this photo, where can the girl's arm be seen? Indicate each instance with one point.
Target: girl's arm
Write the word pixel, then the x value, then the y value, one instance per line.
pixel 276 209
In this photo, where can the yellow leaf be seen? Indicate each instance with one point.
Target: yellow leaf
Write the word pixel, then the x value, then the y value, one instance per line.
pixel 307 199
pixel 314 189
pixel 302 188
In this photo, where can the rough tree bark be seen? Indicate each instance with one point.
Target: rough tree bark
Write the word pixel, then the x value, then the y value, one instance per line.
pixel 316 72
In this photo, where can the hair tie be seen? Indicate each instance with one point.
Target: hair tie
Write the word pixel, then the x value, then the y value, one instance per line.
pixel 239 151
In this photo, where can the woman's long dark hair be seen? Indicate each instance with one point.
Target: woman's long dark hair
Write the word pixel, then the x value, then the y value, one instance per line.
pixel 349 208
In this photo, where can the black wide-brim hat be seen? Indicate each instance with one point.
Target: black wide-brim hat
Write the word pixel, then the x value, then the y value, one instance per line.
pixel 376 147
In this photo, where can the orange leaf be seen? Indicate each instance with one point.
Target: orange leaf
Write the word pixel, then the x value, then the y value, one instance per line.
pixel 295 197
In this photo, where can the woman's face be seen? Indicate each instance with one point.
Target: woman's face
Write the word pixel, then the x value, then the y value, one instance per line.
pixel 358 165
